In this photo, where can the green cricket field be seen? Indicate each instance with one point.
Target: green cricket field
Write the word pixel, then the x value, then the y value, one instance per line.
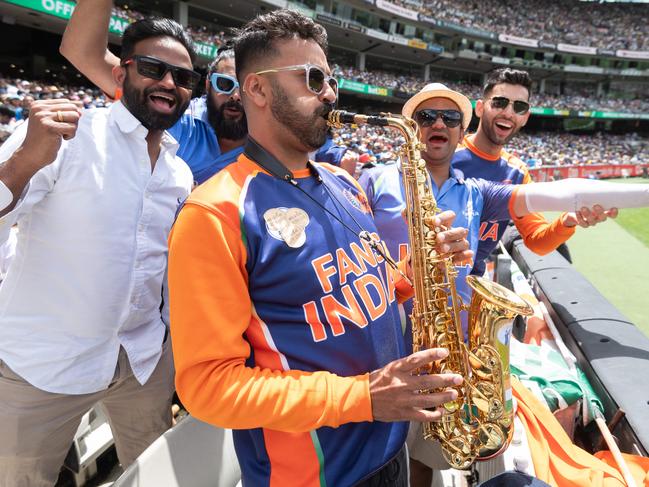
pixel 614 257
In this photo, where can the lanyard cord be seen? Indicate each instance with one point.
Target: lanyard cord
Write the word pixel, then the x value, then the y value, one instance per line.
pixel 270 163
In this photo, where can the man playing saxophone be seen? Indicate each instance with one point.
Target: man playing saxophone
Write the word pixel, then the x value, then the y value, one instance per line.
pixel 284 320
pixel 442 115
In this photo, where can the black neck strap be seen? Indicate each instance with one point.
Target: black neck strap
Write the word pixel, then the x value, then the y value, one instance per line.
pixel 270 163
pixel 274 166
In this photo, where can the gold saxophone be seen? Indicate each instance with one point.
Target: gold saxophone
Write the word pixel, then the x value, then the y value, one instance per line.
pixel 479 423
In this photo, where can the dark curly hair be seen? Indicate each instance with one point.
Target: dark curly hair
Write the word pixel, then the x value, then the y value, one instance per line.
pixel 155 27
pixel 255 41
pixel 507 75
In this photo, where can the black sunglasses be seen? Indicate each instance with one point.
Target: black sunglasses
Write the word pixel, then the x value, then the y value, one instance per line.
pixel 428 116
pixel 501 102
pixel 153 68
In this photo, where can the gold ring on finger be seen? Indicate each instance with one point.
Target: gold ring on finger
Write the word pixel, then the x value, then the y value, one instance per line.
pixel 59 116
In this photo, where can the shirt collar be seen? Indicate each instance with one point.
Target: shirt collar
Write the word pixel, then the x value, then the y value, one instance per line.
pixel 124 119
pixel 455 174
pixel 127 123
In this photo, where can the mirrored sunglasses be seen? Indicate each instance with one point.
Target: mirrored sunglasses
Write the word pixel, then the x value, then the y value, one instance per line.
pixel 428 116
pixel 153 68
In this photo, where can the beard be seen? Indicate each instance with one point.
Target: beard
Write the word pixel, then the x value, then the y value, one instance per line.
pixel 224 127
pixel 495 138
pixel 137 103
pixel 308 129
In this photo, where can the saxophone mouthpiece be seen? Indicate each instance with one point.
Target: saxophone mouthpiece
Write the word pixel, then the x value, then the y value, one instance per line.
pixel 337 118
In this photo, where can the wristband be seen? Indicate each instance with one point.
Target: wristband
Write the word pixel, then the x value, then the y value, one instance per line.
pixel 6 196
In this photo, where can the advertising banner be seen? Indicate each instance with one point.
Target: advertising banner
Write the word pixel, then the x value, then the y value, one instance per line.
pixel 398 40
pixel 518 41
pixel 428 20
pixel 208 51
pixel 633 54
pixel 419 44
pixel 358 87
pixel 605 52
pixel 328 19
pixel 397 9
pixel 63 9
pixel 377 34
pixel 600 171
pixel 547 45
pixel 576 49
pixel 355 27
pixel 435 48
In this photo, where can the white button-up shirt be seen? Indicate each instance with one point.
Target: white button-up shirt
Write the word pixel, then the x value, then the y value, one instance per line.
pixel 91 256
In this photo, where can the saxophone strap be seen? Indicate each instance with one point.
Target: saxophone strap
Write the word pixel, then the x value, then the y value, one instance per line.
pixel 267 161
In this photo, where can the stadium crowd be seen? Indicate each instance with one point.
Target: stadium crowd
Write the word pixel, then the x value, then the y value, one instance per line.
pixel 607 26
pixel 379 146
pixel 374 145
pixel 577 99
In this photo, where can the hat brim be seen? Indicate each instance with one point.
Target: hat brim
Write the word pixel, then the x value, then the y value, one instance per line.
pixel 460 100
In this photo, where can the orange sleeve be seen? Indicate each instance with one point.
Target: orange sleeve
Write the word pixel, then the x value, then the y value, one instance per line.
pixel 540 236
pixel 210 312
pixel 403 288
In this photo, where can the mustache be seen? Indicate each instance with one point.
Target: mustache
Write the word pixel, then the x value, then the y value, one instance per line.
pixel 155 89
pixel 324 110
pixel 232 104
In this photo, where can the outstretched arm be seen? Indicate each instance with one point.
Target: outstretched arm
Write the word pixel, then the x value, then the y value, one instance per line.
pixel 85 43
pixel 574 194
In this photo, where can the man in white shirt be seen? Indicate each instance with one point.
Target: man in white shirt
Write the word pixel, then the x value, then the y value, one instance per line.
pixel 94 196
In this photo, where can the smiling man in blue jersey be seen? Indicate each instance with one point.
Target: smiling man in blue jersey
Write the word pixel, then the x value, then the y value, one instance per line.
pixel 504 109
pixel 211 134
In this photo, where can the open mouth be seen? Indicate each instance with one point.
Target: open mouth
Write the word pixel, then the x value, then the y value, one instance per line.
pixel 504 126
pixel 163 102
pixel 438 139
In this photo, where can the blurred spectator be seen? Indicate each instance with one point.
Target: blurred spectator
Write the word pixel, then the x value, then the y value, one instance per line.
pixel 7 122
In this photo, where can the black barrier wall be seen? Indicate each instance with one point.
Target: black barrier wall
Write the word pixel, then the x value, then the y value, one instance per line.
pixel 612 351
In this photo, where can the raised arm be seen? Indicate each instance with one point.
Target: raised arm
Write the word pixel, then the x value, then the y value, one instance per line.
pixel 574 194
pixel 85 43
pixel 28 151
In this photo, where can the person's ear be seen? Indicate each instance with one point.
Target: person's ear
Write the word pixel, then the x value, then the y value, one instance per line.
pixel 479 108
pixel 256 89
pixel 119 75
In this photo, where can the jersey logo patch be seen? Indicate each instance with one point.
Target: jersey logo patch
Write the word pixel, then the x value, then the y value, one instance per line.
pixel 287 225
pixel 358 201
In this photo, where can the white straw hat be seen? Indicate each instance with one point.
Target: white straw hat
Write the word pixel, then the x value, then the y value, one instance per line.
pixel 438 90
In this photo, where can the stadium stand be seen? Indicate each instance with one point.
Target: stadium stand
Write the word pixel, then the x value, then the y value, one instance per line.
pixel 607 26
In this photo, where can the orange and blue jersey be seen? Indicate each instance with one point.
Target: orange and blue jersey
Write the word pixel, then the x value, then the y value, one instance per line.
pixel 472 200
pixel 539 235
pixel 278 314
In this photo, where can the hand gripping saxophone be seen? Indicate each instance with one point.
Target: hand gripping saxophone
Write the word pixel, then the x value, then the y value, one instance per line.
pixel 479 423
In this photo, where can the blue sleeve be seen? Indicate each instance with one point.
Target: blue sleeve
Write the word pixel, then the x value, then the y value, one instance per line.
pixel 367 183
pixel 182 131
pixel 496 198
pixel 332 154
